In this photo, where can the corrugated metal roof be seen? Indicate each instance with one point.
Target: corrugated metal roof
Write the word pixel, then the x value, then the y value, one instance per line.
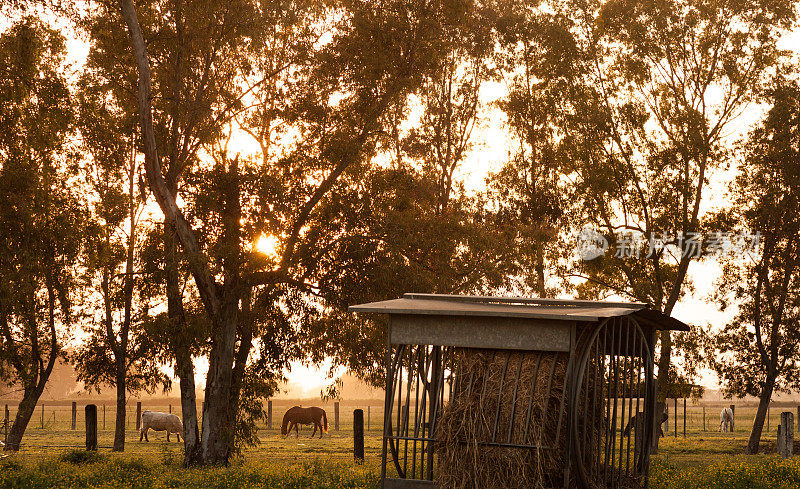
pixel 524 300
pixel 519 307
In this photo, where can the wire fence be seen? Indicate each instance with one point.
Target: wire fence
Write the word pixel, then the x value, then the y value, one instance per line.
pixel 59 425
pixel 61 421
pixel 687 419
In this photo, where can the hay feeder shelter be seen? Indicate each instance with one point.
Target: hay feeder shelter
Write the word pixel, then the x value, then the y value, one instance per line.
pixel 511 392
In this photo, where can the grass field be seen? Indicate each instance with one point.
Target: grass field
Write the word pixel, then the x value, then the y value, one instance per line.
pixel 701 459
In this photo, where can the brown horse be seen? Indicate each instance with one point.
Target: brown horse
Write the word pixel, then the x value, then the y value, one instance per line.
pixel 297 415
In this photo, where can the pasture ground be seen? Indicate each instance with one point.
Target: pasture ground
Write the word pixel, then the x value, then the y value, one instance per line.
pixel 703 459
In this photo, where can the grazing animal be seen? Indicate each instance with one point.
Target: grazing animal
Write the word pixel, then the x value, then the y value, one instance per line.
pixel 726 419
pixel 297 415
pixel 632 422
pixel 152 420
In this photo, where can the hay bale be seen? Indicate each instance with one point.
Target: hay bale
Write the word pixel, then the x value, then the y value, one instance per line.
pixel 482 410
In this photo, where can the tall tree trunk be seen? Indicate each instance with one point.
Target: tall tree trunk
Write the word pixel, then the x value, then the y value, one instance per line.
pixel 33 390
pixel 664 364
pixel 184 366
pixel 121 351
pixel 24 413
pixel 40 373
pixel 176 228
pixel 31 394
pixel 662 383
pixel 665 357
pixel 119 423
pixel 218 417
pixel 245 345
pixel 761 413
pixel 191 432
pixel 664 361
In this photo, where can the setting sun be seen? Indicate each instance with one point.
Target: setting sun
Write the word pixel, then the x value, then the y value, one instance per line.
pixel 268 245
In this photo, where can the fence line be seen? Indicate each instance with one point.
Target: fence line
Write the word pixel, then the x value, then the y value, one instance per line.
pixel 694 418
pixel 57 415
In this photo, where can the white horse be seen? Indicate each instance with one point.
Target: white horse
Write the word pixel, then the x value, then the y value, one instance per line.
pixel 726 419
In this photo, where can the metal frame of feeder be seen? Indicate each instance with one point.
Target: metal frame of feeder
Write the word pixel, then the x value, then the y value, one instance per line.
pixel 608 382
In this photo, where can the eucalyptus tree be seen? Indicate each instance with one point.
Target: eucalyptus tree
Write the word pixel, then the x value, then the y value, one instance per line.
pixel 757 353
pixel 452 109
pixel 376 55
pixel 648 92
pixel 118 352
pixel 42 217
pixel 197 52
pixel 536 58
pixel 392 242
pixel 409 224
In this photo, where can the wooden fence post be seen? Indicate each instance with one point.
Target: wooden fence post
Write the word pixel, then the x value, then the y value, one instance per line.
pixel 42 415
pixel 91 427
pixel 336 415
pixel 676 417
pixel 733 410
pixel 704 418
pixel 104 417
pixel 269 414
pixel 170 409
pixel 5 423
pixel 684 417
pixel 358 435
pixel 138 415
pixel 74 415
pixel 369 415
pixel 786 435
